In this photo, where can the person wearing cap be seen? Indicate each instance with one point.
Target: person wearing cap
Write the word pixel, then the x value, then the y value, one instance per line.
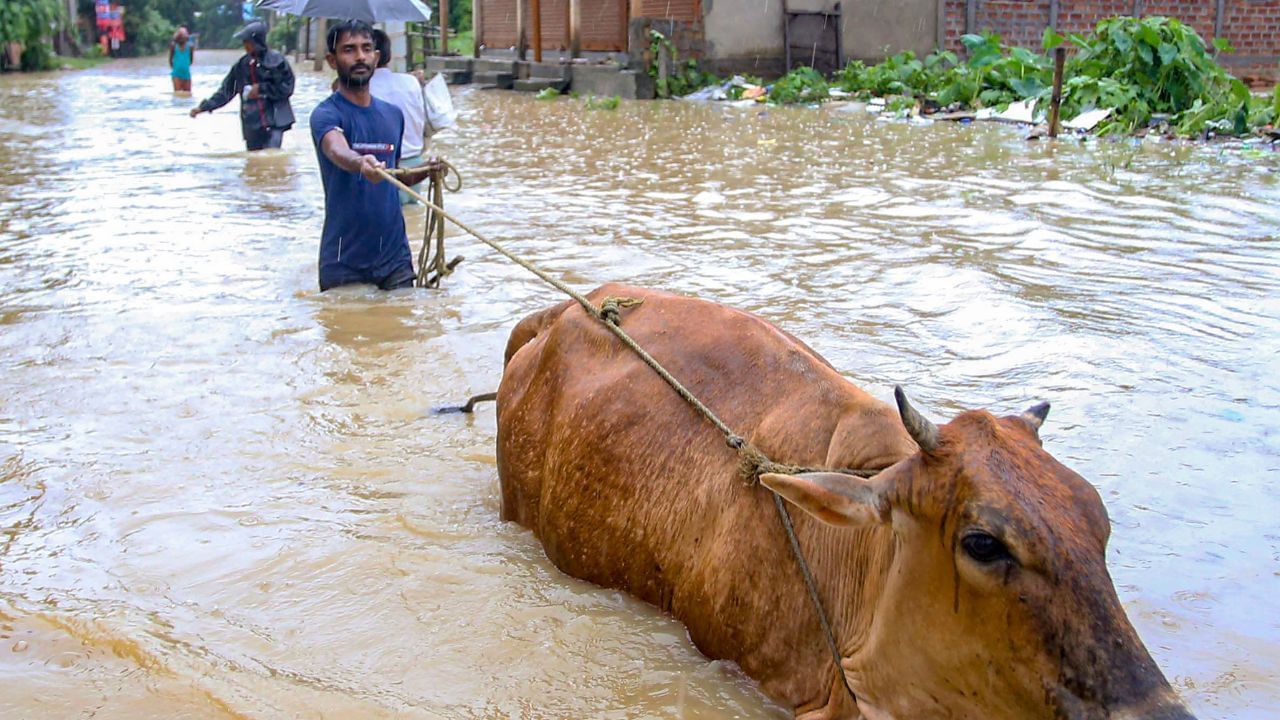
pixel 264 81
pixel 357 139
pixel 405 92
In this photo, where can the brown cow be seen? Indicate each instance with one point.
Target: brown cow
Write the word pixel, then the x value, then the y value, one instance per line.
pixel 965 580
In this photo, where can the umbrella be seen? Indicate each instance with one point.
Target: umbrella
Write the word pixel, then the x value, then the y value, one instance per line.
pixel 367 10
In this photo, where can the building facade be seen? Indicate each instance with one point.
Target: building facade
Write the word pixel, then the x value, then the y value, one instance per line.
pixel 760 36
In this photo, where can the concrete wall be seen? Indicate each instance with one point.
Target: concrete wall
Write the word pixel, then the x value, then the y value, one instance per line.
pixel 743 32
pixel 870 27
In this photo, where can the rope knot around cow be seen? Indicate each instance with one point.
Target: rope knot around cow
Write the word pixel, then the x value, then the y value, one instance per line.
pixel 611 308
pixel 752 463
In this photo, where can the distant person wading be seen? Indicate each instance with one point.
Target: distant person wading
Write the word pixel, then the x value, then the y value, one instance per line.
pixel 264 81
pixel 182 54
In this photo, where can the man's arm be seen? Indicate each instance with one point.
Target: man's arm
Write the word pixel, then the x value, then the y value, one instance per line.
pixel 335 147
pixel 171 47
pixel 230 88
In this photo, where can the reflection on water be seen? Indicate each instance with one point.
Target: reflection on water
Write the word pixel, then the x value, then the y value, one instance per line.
pixel 221 493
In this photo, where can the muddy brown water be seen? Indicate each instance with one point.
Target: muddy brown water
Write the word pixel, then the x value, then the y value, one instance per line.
pixel 222 495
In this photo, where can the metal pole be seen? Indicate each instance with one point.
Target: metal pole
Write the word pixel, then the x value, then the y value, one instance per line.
pixel 1055 102
pixel 1220 14
pixel 535 9
pixel 1053 14
pixel 970 16
pixel 444 27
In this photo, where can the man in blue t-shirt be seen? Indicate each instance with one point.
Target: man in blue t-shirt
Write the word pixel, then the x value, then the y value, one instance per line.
pixel 355 135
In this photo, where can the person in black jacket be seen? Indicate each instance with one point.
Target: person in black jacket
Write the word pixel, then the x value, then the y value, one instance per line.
pixel 264 82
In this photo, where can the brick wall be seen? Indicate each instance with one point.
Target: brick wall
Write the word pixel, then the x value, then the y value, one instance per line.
pixel 1251 26
pixel 1020 22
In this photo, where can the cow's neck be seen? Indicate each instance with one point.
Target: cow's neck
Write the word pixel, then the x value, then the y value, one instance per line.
pixel 850 568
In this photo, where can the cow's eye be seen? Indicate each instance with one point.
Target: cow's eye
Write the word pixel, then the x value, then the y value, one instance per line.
pixel 984 548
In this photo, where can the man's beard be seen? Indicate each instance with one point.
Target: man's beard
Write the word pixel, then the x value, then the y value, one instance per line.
pixel 355 82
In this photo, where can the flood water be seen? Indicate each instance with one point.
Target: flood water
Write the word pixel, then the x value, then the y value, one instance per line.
pixel 222 493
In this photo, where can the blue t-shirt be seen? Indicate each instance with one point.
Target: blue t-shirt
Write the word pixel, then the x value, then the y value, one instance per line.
pixel 364 238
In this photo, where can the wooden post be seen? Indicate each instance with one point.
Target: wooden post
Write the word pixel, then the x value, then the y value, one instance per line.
pixel 575 28
pixel 444 27
pixel 522 22
pixel 477 27
pixel 664 70
pixel 322 43
pixel 1055 102
pixel 535 9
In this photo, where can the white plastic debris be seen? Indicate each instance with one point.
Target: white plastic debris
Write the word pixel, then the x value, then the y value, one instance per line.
pixel 1087 120
pixel 1019 112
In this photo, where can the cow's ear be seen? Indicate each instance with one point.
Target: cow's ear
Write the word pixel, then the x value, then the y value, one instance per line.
pixel 834 498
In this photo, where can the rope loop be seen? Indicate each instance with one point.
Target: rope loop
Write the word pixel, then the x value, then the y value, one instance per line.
pixel 449 169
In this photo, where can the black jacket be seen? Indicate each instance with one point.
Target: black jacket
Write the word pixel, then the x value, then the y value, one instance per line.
pixel 270 71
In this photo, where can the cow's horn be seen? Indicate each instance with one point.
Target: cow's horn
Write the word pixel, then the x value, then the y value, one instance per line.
pixel 1036 414
pixel 918 426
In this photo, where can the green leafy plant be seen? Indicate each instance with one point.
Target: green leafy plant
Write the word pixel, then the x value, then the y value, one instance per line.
pixel 1157 65
pixel 802 85
pixel 30 22
pixel 900 74
pixel 548 93
pixel 283 36
pixel 147 30
pixel 603 103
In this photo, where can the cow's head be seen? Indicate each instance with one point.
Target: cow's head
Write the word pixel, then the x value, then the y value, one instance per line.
pixel 997 601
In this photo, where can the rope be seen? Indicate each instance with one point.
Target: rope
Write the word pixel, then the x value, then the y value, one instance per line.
pixel 812 587
pixel 753 461
pixel 432 267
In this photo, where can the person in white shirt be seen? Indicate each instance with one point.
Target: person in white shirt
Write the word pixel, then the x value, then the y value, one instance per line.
pixel 405 92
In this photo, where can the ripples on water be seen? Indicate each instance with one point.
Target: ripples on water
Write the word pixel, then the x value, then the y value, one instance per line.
pixel 220 494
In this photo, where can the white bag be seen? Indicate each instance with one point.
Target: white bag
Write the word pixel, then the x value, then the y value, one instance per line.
pixel 440 111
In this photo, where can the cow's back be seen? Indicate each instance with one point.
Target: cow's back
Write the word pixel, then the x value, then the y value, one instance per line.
pixel 627 486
